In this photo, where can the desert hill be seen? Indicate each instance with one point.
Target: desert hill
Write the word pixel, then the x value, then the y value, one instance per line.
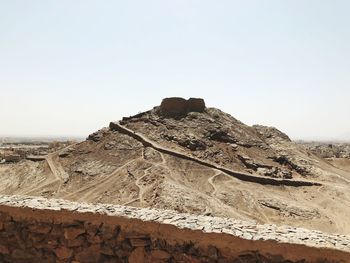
pixel 184 156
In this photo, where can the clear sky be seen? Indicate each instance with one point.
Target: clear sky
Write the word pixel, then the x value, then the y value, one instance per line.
pixel 69 67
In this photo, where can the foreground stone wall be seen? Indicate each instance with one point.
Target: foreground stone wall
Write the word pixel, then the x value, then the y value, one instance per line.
pixel 42 230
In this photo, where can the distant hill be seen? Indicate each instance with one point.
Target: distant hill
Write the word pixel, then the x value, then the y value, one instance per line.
pixel 37 140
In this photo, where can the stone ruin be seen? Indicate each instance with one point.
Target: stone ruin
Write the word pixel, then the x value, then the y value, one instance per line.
pixel 176 106
pixel 11 158
pixel 34 229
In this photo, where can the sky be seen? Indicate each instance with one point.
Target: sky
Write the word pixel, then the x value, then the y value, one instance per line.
pixel 68 68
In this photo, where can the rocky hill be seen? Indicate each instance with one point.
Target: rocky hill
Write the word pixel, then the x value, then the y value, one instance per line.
pixel 186 157
pixel 211 134
pixel 329 150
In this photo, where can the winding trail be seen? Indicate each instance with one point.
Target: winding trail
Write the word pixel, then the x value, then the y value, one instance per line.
pixel 212 202
pixel 116 126
pixel 140 186
pixel 210 181
pixel 56 169
pixel 341 177
pixel 45 183
pixel 98 185
pixel 48 182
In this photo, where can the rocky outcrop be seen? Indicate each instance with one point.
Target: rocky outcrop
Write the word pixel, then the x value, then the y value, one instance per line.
pixel 329 150
pixel 52 230
pixel 192 143
pixel 265 170
pixel 290 210
pixel 176 106
pixel 271 133
pixel 98 135
pixel 116 126
pixel 288 162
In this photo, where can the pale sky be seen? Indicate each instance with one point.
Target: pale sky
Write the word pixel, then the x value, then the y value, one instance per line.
pixel 70 67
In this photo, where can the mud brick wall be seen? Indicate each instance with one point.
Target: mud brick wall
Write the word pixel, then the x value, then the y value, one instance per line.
pixel 51 230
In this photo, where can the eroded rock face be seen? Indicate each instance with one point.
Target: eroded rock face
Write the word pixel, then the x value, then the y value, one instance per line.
pixel 98 135
pixel 176 106
pixel 271 133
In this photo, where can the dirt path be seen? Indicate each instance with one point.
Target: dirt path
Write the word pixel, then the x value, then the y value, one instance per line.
pixel 48 182
pixel 210 181
pixel 97 186
pixel 38 189
pixel 212 200
pixel 57 169
pixel 141 187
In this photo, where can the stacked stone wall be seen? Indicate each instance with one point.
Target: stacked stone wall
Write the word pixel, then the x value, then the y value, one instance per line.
pixel 43 230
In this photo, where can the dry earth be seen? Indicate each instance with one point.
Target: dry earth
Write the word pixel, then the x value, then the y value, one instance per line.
pixel 113 167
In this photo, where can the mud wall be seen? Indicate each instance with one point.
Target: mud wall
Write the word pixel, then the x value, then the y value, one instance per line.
pixel 175 106
pixel 42 230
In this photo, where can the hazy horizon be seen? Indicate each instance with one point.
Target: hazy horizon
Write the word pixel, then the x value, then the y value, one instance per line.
pixel 69 68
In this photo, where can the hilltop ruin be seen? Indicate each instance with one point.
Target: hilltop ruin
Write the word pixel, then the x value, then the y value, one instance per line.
pixel 176 106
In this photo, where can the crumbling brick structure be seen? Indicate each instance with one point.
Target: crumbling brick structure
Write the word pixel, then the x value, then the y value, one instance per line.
pixel 178 106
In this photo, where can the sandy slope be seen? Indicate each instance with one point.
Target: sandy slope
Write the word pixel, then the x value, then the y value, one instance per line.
pixel 341 163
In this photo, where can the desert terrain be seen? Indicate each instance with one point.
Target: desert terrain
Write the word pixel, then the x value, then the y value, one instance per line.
pixel 186 157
